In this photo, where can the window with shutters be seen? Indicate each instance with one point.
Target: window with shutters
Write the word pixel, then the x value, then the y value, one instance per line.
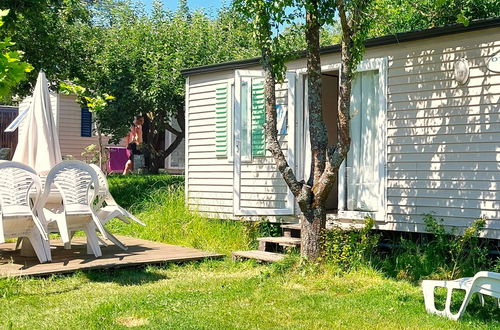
pixel 224 125
pixel 253 117
pixel 258 118
pixel 86 123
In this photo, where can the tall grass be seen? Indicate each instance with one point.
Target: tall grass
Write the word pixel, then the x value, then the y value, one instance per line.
pixel 134 191
pixel 159 202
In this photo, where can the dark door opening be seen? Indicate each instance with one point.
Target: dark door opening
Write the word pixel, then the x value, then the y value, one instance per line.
pixel 330 88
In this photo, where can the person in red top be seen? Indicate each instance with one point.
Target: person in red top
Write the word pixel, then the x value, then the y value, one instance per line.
pixel 133 140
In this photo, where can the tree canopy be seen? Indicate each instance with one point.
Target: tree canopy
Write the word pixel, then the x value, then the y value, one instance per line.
pixel 12 69
pixel 115 47
pixel 138 58
pixel 402 15
pixel 40 28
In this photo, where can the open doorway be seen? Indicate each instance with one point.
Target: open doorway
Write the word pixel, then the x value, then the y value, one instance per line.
pixel 330 89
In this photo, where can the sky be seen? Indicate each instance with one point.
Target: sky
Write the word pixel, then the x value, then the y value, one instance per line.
pixel 193 4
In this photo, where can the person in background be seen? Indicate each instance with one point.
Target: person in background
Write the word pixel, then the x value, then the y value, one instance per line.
pixel 133 140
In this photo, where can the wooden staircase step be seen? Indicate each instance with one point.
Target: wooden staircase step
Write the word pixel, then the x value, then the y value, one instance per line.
pixel 283 241
pixel 294 226
pixel 259 255
pixel 291 230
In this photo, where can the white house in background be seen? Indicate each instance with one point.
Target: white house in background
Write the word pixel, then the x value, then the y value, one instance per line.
pixel 425 121
pixel 74 125
pixel 73 122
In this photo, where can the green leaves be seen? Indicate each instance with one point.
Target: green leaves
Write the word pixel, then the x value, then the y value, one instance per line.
pixel 3 13
pixel 461 18
pixel 12 69
pixel 394 16
pixel 96 103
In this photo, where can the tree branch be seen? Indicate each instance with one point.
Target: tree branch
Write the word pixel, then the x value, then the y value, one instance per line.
pixel 172 130
pixel 317 128
pixel 336 154
pixel 271 130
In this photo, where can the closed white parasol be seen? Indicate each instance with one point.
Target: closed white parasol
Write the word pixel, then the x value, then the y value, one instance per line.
pixel 38 144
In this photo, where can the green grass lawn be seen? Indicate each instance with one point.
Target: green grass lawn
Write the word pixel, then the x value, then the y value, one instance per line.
pixel 217 294
pixel 222 295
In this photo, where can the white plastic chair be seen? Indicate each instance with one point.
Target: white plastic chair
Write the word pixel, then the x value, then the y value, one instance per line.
pixel 484 283
pixel 77 183
pixel 106 207
pixel 20 190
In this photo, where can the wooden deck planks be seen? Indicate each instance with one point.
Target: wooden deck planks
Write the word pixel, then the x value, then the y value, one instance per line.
pixel 140 252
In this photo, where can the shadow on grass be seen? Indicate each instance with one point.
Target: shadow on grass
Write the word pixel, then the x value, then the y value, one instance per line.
pixel 124 276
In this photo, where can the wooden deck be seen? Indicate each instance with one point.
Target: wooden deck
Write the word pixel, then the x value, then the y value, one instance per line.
pixel 140 252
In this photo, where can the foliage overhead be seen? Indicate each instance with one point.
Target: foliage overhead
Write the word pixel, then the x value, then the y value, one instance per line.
pixel 138 58
pixel 401 15
pixel 42 29
pixel 12 69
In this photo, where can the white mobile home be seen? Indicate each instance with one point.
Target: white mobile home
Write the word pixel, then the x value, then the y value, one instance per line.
pixel 425 119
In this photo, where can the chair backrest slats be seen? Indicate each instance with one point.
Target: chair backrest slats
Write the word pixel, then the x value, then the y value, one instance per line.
pixel 74 180
pixel 16 182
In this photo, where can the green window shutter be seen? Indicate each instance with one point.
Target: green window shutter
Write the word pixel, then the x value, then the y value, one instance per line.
pixel 221 120
pixel 258 119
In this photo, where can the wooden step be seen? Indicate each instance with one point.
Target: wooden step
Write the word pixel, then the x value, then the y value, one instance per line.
pixel 294 226
pixel 291 230
pixel 259 255
pixel 283 241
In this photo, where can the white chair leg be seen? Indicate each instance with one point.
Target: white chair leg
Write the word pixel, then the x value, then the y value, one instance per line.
pixel 92 240
pixel 116 241
pixel 481 299
pixel 64 232
pixel 131 216
pixel 428 288
pixel 468 295
pixel 99 226
pixel 48 252
pixel 102 242
pixel 37 243
pixel 18 243
pixel 123 218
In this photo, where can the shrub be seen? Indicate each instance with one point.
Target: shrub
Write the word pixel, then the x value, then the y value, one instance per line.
pixel 349 249
pixel 441 254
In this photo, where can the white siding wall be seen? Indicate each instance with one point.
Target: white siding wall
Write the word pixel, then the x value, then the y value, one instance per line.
pixel 210 178
pixel 69 123
pixel 443 138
